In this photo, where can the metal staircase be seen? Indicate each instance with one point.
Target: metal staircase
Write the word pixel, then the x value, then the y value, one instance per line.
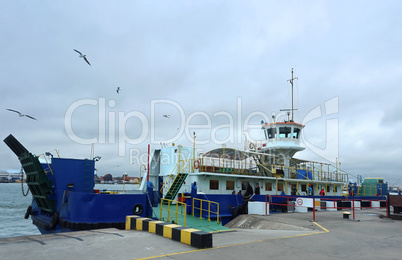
pixel 175 180
pixel 175 186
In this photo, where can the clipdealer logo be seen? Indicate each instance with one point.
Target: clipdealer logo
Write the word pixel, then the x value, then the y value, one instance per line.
pixel 112 125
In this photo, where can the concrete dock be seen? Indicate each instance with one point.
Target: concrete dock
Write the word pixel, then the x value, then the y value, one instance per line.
pixel 277 236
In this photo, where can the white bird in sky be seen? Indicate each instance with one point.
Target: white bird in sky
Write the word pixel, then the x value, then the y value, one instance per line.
pixel 167 116
pixel 83 56
pixel 20 114
pixel 118 90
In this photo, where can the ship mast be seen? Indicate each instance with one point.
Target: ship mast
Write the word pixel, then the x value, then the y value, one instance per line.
pixel 291 83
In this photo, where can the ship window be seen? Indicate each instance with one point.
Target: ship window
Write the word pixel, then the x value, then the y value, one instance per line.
pixel 268 186
pixel 335 188
pixel 244 185
pixel 328 189
pixel 296 132
pixel 229 185
pixel 284 132
pixel 280 186
pixel 213 184
pixel 271 133
pixel 304 187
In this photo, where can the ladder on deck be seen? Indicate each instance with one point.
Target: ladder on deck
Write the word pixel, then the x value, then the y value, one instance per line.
pixel 88 175
pixel 175 186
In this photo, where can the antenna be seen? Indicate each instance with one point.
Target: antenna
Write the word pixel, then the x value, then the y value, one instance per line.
pixel 288 113
pixel 291 83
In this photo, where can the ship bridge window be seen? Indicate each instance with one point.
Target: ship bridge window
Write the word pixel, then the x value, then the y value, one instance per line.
pixel 296 133
pixel 284 132
pixel 271 133
pixel 229 185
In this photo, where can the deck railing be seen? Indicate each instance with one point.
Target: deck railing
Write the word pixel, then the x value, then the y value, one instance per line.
pixel 209 211
pixel 172 208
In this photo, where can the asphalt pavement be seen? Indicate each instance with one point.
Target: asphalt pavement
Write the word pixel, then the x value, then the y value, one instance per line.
pixel 277 236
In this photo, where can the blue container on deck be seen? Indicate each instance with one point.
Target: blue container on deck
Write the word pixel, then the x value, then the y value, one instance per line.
pixel 304 175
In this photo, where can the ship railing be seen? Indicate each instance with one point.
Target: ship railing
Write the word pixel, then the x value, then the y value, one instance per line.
pixel 175 210
pixel 229 166
pixel 170 179
pixel 363 190
pixel 319 171
pixel 249 167
pixel 282 182
pixel 44 156
pixel 200 210
pixel 187 165
pixel 313 171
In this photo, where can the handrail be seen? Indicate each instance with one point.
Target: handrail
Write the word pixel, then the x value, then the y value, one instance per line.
pixel 209 209
pixel 48 165
pixel 317 175
pixel 170 177
pixel 180 165
pixel 176 211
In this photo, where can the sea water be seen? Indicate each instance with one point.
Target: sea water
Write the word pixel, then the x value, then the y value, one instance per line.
pixel 13 206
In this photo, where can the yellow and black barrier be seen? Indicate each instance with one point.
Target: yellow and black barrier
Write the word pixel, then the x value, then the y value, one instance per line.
pixel 189 236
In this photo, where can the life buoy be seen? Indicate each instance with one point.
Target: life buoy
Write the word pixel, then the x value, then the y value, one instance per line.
pixel 138 209
pixel 54 220
pixel 29 211
pixel 196 164
pixel 252 146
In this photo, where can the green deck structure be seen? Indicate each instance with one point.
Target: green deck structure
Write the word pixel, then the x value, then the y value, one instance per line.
pixel 38 183
pixel 176 185
pixel 191 222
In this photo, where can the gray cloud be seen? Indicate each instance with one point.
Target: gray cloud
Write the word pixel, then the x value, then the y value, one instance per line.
pixel 202 55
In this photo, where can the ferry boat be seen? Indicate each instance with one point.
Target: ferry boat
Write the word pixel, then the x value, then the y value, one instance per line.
pixel 222 182
pixel 232 177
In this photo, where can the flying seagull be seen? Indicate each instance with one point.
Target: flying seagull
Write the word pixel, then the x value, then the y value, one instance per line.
pixel 167 116
pixel 118 90
pixel 20 114
pixel 83 56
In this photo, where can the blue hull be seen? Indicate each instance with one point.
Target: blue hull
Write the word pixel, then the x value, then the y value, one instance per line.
pixel 85 211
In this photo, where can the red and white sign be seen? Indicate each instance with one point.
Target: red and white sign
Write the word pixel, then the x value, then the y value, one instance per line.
pixel 304 202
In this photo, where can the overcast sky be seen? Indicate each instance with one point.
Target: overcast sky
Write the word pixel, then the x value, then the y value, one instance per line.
pixel 215 64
